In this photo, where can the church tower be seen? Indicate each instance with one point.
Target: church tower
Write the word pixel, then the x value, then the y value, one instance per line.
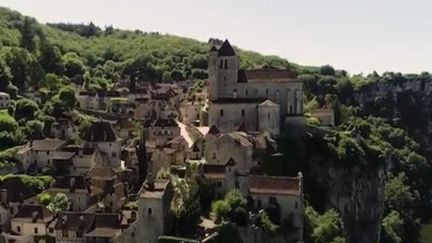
pixel 223 71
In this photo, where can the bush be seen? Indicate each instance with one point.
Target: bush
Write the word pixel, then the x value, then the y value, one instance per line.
pixel 219 210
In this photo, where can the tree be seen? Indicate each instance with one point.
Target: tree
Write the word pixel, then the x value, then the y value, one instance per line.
pixel 73 65
pixel 59 203
pixel 28 34
pixel 219 210
pixel 18 60
pixel 34 129
pixel 327 70
pixel 322 228
pixel 51 60
pixel 5 76
pixel 25 109
pixel 7 122
pixel 397 195
pixel 392 229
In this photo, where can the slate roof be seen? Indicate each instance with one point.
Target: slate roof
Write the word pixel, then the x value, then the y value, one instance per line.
pixel 74 221
pixel 70 182
pixel 226 49
pixel 100 131
pixel 274 185
pixel 33 213
pixel 16 189
pixel 214 130
pixel 47 144
pixel 165 123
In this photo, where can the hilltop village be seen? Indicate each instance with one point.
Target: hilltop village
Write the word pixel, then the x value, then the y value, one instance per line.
pixel 151 147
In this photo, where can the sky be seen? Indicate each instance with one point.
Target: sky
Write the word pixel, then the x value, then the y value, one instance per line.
pixel 355 35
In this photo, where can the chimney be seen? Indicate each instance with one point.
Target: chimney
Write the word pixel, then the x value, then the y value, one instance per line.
pixel 4 195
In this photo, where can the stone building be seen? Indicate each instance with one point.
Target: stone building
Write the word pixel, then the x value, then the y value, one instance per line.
pixel 31 220
pixel 39 153
pixel 161 131
pixel 252 96
pixel 4 100
pixel 101 136
pixel 153 214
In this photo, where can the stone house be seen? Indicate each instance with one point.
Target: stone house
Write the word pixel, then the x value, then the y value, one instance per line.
pixel 85 158
pixel 284 197
pixel 76 189
pixel 39 153
pixel 85 227
pixel 4 100
pixel 153 214
pixel 161 130
pixel 64 129
pixel 190 112
pixel 31 220
pixel 237 95
pixel 95 100
pixel 5 217
pixel 220 147
pixel 101 136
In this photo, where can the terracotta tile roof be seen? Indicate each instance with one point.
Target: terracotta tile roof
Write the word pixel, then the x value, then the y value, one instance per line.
pixel 100 132
pixel 63 155
pixel 214 171
pixel 103 173
pixel 238 100
pixel 157 191
pixel 33 213
pixel 47 144
pixel 268 102
pixel 274 185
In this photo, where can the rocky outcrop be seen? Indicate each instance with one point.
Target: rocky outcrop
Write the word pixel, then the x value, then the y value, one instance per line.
pixel 358 194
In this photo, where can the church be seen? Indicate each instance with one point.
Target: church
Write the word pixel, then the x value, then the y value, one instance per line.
pixel 261 100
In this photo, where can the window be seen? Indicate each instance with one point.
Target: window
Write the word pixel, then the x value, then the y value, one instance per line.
pixel 296 205
pixel 79 234
pixel 65 233
pixel 237 184
pixel 113 154
pixel 272 200
pixel 234 94
pixel 220 64
pixel 221 112
pixel 219 184
pixel 133 234
pixel 51 230
pixel 246 92
pixel 213 155
pixel 259 204
pixel 266 92
pixel 226 64
pixel 268 115
pixel 18 229
pixel 243 112
pixel 277 95
pixel 36 230
pixel 149 211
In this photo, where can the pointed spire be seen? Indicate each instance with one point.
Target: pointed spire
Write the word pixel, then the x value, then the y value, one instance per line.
pixel 226 49
pixel 214 130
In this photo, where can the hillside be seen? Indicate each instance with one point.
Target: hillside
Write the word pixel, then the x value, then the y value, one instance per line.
pixel 377 153
pixel 149 56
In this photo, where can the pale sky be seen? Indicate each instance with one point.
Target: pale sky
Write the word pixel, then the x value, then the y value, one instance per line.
pixel 356 35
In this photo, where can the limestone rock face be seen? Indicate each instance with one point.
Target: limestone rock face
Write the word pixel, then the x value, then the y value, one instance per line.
pixel 358 194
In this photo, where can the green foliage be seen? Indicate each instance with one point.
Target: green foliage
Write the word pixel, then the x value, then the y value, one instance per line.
pixel 392 228
pixel 228 232
pixel 25 109
pixel 37 183
pixel 219 210
pixel 397 195
pixel 60 202
pixel 5 75
pixel 132 205
pixel 263 222
pixel 323 228
pixel 44 198
pixel 7 122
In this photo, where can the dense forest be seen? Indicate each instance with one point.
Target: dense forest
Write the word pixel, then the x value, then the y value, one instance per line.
pixel 382 121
